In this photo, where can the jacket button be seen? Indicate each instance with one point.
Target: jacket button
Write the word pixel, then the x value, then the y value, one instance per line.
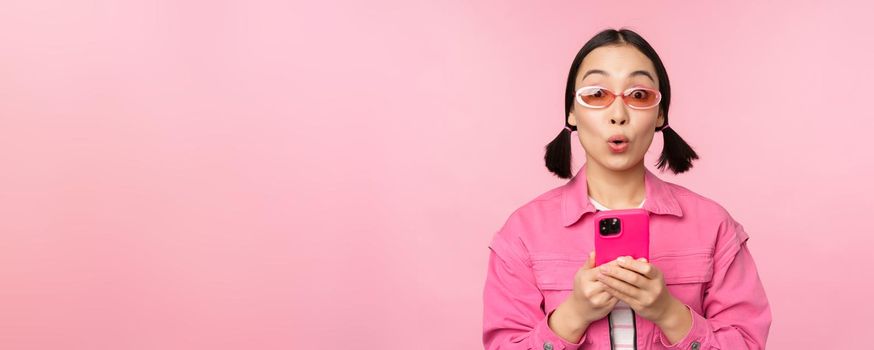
pixel 695 345
pixel 547 346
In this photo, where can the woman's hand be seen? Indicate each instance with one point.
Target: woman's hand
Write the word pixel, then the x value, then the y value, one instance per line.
pixel 641 285
pixel 587 303
pixel 590 298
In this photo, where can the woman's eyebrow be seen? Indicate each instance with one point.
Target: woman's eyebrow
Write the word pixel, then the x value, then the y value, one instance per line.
pixel 632 74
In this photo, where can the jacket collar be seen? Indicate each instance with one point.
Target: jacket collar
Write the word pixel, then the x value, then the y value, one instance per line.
pixel 575 197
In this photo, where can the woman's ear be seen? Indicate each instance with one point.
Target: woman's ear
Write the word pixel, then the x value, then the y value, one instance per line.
pixel 661 120
pixel 571 119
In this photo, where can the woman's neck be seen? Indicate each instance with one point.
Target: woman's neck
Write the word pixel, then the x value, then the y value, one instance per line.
pixel 616 189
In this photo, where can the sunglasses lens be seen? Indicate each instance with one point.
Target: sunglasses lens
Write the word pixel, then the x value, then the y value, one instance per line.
pixel 596 96
pixel 642 98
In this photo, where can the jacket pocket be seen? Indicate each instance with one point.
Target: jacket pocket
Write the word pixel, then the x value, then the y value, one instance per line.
pixel 690 266
pixel 556 271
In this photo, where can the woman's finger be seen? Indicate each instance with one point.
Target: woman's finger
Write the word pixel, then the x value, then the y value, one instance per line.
pixel 642 267
pixel 628 276
pixel 619 285
pixel 621 296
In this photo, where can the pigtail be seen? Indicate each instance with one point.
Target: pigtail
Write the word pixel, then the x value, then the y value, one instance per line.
pixel 676 153
pixel 558 154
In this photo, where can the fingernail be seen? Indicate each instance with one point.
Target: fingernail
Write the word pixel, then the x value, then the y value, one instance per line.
pixel 622 259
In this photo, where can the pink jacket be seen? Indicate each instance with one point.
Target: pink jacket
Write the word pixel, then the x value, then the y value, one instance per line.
pixel 699 247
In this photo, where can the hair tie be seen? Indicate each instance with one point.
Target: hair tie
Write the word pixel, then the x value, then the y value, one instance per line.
pixel 568 128
pixel 665 127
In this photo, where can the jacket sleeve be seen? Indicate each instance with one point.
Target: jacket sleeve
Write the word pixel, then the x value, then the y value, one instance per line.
pixel 737 312
pixel 513 318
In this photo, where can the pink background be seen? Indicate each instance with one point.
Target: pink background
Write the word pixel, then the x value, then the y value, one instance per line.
pixel 259 175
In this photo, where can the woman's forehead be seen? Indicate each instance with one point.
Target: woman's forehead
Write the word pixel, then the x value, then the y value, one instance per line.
pixel 619 63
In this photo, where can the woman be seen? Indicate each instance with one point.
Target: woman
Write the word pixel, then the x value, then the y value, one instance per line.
pixel 701 289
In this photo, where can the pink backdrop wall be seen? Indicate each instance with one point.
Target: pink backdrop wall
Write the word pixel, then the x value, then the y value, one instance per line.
pixel 259 175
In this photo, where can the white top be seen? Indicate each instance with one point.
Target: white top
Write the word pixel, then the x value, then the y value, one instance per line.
pixel 600 206
pixel 622 330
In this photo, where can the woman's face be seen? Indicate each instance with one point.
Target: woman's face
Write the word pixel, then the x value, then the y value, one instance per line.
pixel 616 68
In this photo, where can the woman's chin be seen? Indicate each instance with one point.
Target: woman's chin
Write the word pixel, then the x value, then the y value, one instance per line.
pixel 619 162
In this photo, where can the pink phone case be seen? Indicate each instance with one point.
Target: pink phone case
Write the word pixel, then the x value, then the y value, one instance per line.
pixel 632 238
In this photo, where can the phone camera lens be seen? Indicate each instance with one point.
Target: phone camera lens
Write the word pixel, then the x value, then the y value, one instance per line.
pixel 610 226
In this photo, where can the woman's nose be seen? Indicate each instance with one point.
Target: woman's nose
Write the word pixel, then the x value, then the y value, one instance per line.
pixel 620 114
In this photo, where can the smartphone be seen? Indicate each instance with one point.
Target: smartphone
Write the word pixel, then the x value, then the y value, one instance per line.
pixel 621 232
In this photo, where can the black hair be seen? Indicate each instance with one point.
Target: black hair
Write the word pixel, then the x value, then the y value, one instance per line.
pixel 676 153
